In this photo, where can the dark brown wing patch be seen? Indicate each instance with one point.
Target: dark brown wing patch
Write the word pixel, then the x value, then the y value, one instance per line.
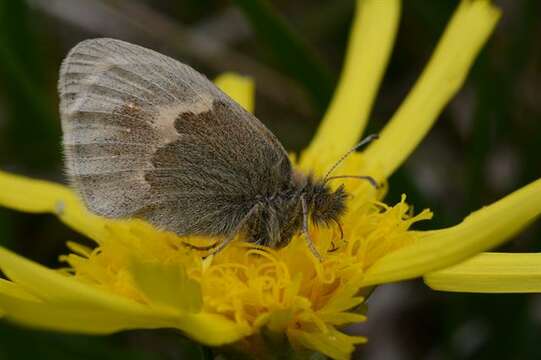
pixel 222 172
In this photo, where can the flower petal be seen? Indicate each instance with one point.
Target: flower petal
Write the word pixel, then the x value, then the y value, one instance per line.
pixel 37 294
pixel 239 88
pixel 50 285
pixel 342 318
pixel 35 196
pixel 38 196
pixel 466 33
pixel 44 298
pixel 370 45
pixel 212 329
pixel 490 273
pixel 11 289
pixel 69 318
pixel 481 230
pixel 167 285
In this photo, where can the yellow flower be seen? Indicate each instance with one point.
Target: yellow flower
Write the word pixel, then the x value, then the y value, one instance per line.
pixel 137 277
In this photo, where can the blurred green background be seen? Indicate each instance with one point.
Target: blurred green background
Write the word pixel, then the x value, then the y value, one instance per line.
pixel 485 144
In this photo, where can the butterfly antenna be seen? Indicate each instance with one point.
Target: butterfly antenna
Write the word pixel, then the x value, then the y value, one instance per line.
pixel 365 141
pixel 370 179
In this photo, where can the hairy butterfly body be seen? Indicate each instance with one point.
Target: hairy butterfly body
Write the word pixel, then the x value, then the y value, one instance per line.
pixel 146 136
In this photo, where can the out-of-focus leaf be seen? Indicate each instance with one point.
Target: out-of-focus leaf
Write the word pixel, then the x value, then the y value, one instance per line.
pixel 21 343
pixel 289 50
pixel 31 118
pixel 27 344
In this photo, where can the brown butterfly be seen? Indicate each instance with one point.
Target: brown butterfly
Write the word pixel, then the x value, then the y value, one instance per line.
pixel 146 136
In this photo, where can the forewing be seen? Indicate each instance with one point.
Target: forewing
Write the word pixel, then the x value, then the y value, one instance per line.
pixel 147 136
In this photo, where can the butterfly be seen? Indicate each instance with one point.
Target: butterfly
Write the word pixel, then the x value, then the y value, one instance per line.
pixel 146 136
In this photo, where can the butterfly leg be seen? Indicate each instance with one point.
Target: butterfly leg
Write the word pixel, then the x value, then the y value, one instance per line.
pixel 333 248
pixel 238 228
pixel 309 241
pixel 339 228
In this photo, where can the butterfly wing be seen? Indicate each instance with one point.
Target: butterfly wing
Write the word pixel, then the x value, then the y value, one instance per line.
pixel 147 136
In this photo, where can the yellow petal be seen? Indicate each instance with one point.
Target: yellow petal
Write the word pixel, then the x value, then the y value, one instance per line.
pixel 277 320
pixel 50 285
pixel 37 196
pixel 465 35
pixel 341 318
pixel 371 40
pixel 168 285
pixel 70 318
pixel 345 298
pixel 480 231
pixel 11 289
pixel 44 298
pixel 490 273
pixel 212 329
pixel 239 88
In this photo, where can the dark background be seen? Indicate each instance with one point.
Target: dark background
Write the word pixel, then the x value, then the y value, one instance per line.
pixel 485 145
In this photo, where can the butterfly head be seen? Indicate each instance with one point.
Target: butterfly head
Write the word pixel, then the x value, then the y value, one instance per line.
pixel 326 205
